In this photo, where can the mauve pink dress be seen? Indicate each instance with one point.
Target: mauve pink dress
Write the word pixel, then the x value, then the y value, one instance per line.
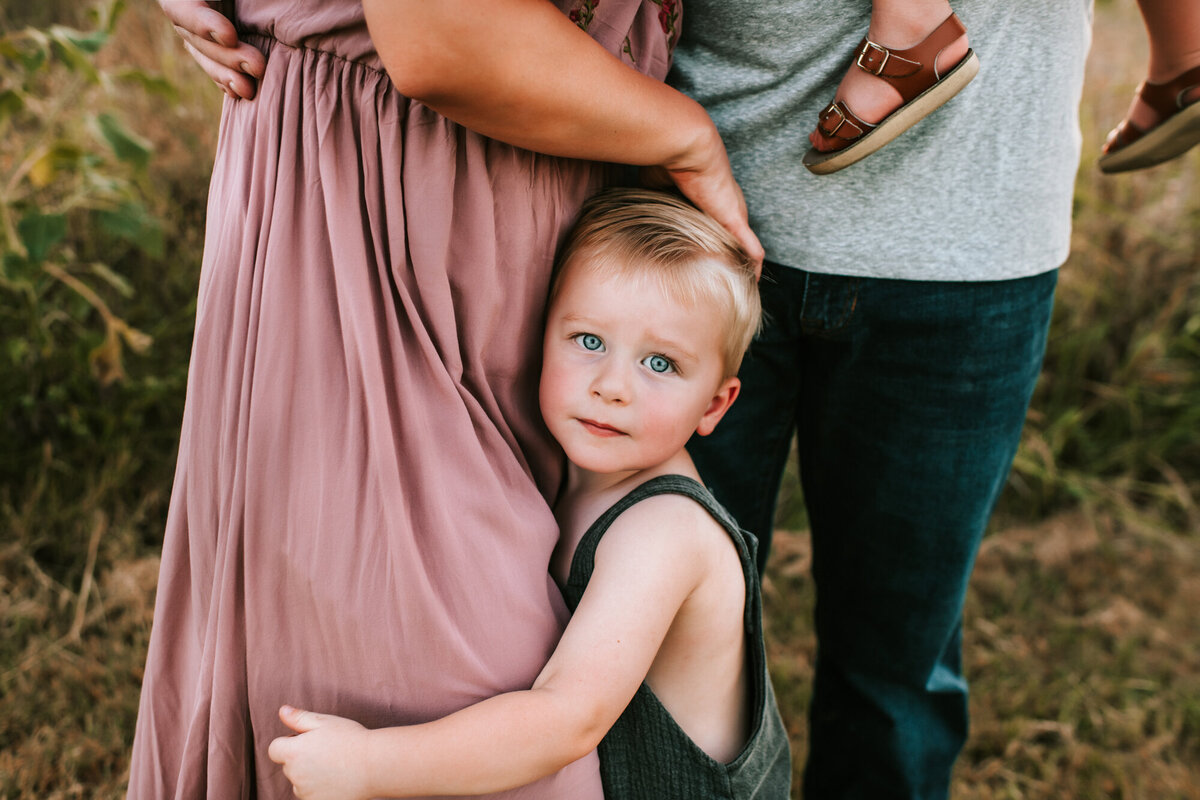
pixel 358 523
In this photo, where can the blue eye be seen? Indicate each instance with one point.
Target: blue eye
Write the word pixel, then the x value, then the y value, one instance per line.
pixel 660 364
pixel 589 341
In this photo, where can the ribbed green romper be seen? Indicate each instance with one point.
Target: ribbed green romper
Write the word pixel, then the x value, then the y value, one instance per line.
pixel 646 755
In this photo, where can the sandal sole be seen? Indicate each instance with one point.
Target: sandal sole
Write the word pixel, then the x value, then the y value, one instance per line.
pixel 898 121
pixel 1172 138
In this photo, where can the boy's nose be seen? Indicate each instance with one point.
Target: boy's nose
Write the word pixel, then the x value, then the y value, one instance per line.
pixel 612 385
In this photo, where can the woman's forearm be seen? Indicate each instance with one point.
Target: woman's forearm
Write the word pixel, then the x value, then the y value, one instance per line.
pixel 521 72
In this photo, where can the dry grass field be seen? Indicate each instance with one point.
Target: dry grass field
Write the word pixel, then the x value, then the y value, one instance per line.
pixel 1082 632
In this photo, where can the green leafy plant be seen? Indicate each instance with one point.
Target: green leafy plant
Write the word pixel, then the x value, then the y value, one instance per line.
pixel 82 289
pixel 66 173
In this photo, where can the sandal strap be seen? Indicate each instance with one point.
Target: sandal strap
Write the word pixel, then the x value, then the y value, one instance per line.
pixel 1167 98
pixel 914 70
pixel 837 116
pixel 1126 133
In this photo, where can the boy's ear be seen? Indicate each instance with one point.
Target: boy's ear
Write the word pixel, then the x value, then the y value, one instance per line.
pixel 720 403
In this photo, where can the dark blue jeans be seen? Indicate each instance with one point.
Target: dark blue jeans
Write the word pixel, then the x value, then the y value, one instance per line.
pixel 908 400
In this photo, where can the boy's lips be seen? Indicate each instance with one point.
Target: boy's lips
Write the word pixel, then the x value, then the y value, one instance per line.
pixel 600 428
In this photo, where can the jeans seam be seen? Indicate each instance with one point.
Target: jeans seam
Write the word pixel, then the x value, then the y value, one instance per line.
pixel 771 479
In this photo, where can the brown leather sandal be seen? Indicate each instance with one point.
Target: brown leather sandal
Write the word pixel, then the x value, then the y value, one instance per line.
pixel 1129 147
pixel 913 73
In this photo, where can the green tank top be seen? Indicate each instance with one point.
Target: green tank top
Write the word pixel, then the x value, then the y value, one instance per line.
pixel 646 755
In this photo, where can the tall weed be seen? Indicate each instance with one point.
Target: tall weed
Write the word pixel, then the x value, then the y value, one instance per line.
pixel 1115 422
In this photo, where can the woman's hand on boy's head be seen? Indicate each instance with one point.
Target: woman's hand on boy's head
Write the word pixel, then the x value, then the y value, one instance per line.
pixel 326 759
pixel 721 198
pixel 212 41
pixel 706 178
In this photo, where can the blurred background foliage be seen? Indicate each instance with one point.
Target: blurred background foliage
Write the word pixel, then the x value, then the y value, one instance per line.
pixel 106 135
pixel 97 279
pixel 107 131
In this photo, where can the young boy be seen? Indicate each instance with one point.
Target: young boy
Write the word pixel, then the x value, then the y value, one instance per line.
pixel 652 308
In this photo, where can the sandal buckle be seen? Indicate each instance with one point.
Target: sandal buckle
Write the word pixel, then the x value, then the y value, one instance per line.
pixel 826 114
pixel 867 47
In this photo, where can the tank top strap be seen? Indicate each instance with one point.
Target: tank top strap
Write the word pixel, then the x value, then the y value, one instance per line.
pixel 583 561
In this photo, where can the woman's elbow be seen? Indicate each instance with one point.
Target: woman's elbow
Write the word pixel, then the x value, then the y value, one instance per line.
pixel 408 35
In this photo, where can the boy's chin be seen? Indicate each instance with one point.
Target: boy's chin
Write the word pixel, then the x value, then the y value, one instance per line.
pixel 602 463
pixel 600 466
pixel 612 464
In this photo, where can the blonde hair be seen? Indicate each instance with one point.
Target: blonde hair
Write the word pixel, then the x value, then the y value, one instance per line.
pixel 634 234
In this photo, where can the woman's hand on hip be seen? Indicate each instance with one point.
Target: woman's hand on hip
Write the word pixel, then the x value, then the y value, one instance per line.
pixel 212 40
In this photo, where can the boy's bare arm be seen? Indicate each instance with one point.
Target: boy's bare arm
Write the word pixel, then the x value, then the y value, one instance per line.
pixel 646 566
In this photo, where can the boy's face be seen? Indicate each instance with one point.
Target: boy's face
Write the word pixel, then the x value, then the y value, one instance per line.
pixel 629 373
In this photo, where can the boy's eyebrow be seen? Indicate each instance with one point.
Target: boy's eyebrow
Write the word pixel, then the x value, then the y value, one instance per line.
pixel 682 352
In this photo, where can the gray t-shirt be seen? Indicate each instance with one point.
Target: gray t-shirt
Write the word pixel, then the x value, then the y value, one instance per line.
pixel 980 190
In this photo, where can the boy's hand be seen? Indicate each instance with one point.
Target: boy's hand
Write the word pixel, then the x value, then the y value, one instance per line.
pixel 326 760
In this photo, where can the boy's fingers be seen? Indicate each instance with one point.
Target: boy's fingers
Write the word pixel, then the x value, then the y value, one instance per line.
pixel 279 749
pixel 300 721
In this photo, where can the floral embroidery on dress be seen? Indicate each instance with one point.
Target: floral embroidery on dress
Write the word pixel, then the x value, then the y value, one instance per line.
pixel 668 16
pixel 583 15
pixel 583 12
